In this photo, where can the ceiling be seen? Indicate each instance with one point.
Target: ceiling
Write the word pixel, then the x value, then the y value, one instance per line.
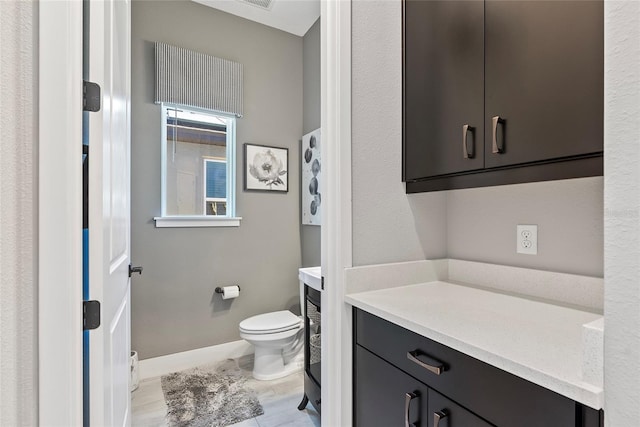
pixel 292 16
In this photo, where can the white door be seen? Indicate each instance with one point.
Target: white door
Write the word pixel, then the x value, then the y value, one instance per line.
pixel 109 212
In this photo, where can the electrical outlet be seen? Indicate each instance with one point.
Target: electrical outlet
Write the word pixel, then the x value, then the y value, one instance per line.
pixel 527 239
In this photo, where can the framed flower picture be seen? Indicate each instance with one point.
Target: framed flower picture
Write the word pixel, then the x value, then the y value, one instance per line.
pixel 265 168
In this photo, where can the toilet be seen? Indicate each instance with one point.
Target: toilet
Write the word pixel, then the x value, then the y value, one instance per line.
pixel 277 338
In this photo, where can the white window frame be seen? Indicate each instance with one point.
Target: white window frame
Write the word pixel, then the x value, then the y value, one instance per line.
pixel 228 220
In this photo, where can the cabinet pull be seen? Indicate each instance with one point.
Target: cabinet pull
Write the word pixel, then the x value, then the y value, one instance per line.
pixel 431 364
pixel 467 152
pixel 496 149
pixel 408 397
pixel 438 416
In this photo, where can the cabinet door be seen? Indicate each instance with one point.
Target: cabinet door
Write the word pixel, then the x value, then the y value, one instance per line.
pixel 380 394
pixel 443 80
pixel 544 77
pixel 445 413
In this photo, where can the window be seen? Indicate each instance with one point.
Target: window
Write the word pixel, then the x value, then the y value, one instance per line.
pixel 215 184
pixel 198 168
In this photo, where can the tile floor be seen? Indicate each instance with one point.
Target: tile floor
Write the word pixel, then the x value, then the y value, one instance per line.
pixel 279 398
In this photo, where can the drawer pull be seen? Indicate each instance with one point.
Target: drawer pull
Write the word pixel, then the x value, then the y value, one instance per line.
pixel 438 416
pixel 430 364
pixel 408 397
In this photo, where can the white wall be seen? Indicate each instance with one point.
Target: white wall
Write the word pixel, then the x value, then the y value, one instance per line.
pixel 473 224
pixel 388 225
pixel 18 213
pixel 481 224
pixel 622 213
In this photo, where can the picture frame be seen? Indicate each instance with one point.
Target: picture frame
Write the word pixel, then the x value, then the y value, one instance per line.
pixel 311 173
pixel 266 168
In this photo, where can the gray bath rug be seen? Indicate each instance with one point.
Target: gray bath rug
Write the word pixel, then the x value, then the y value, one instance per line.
pixel 214 396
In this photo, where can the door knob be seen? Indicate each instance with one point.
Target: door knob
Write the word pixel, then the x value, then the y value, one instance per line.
pixel 137 269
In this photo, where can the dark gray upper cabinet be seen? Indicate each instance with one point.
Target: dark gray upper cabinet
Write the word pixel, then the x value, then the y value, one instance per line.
pixel 526 76
pixel 544 78
pixel 443 86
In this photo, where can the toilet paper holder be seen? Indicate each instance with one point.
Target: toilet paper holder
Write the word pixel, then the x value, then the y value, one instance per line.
pixel 219 290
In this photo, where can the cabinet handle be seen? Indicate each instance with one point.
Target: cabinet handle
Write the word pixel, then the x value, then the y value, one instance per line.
pixel 438 416
pixel 467 152
pixel 431 364
pixel 408 397
pixel 496 149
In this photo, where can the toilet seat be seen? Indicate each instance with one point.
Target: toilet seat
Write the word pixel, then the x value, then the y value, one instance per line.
pixel 270 323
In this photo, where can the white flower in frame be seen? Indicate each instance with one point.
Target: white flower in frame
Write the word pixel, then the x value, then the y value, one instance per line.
pixel 266 168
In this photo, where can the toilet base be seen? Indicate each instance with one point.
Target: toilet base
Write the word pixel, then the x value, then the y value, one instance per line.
pixel 268 364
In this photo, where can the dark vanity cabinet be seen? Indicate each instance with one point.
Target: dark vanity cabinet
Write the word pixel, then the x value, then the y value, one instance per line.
pixel 388 397
pixel 312 349
pixel 499 92
pixel 404 379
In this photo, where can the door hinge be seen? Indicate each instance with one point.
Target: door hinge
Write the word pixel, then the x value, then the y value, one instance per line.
pixel 90 96
pixel 322 282
pixel 90 315
pixel 133 269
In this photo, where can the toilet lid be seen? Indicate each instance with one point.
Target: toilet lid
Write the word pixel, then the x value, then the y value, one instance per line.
pixel 278 321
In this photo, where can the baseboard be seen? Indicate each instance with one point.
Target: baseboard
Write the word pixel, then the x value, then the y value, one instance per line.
pixel 162 365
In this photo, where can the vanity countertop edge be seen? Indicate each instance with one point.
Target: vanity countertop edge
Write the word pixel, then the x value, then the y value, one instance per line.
pixel 536 341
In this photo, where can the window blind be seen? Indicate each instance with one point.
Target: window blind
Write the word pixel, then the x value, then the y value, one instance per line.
pixel 194 79
pixel 216 180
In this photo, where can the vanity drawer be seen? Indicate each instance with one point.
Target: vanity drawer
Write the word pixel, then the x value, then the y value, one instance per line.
pixel 501 398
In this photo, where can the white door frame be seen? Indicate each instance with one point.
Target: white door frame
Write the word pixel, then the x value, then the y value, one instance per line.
pixel 60 213
pixel 336 239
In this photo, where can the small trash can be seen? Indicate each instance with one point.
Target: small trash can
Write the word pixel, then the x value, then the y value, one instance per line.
pixel 134 370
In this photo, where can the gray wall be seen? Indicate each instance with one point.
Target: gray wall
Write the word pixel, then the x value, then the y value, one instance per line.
pixel 388 225
pixel 19 214
pixel 481 224
pixel 473 224
pixel 174 307
pixel 311 122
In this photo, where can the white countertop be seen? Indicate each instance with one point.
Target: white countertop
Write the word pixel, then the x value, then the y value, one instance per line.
pixel 539 342
pixel 311 276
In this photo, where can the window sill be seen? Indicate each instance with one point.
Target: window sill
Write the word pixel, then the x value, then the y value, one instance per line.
pixel 196 221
